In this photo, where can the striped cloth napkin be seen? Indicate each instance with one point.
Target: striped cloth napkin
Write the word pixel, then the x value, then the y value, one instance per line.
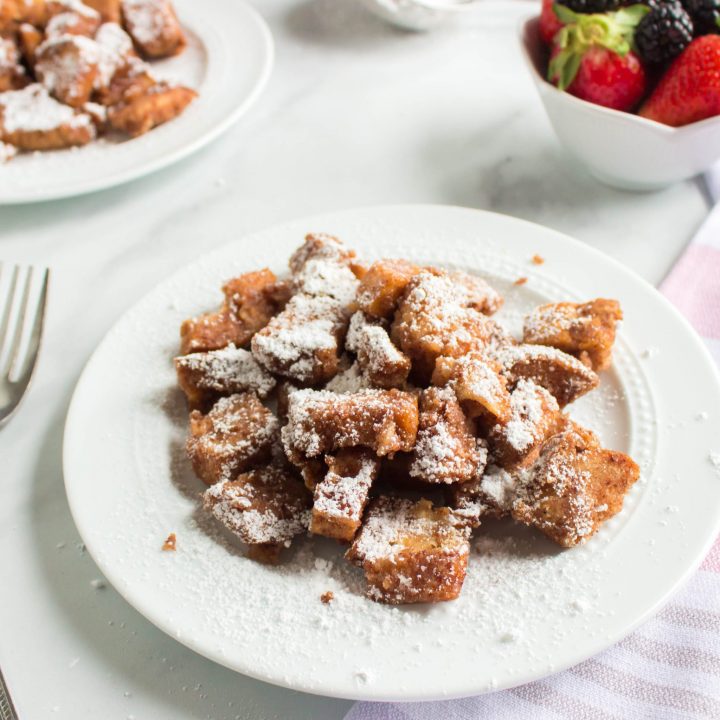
pixel 669 669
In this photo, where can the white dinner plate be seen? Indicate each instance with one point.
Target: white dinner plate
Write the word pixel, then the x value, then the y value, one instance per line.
pixel 228 61
pixel 527 609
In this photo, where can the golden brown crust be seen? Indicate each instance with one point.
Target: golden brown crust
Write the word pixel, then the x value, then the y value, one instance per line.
pixel 265 508
pixel 154 27
pixel 535 416
pixel 576 486
pixel 383 285
pixel 446 450
pixel 303 342
pixel 141 113
pixel 109 10
pixel 205 377
pixel 433 320
pixel 320 422
pixel 29 40
pixel 235 435
pixel 380 362
pixel 341 496
pixel 478 385
pixel 65 67
pixel 411 552
pixel 562 375
pixel 251 300
pixel 585 330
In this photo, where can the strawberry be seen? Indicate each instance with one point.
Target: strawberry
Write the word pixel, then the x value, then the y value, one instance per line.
pixel 593 60
pixel 550 23
pixel 690 89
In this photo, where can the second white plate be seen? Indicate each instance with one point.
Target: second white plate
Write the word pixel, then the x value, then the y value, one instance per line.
pixel 228 61
pixel 527 609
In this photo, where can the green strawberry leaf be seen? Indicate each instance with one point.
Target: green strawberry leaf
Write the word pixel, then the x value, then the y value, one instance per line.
pixel 717 21
pixel 565 14
pixel 570 71
pixel 631 16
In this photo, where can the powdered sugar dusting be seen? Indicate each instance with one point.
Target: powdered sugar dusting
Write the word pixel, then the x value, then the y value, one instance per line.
pixel 32 109
pixel 228 370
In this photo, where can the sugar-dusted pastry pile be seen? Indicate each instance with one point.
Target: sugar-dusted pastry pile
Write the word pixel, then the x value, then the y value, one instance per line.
pixel 382 406
pixel 72 70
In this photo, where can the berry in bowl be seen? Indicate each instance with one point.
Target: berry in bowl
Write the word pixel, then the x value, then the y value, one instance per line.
pixel 632 90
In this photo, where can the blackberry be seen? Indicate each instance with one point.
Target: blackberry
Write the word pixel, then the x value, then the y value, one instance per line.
pixel 705 15
pixel 664 32
pixel 592 6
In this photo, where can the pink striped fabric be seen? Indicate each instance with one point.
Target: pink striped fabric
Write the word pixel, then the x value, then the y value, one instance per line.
pixel 669 669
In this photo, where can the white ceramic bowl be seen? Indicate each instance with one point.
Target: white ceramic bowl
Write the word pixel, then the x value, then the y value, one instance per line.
pixel 417 15
pixel 619 148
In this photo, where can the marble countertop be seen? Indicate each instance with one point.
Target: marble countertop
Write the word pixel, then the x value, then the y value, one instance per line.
pixel 356 114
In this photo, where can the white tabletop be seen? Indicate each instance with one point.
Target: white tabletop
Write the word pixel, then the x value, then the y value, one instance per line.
pixel 356 114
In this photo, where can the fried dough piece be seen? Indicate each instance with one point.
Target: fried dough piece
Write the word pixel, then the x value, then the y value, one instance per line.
pixel 15 12
pixel 321 422
pixel 71 23
pixel 411 552
pixel 562 375
pixel 341 496
pixel 302 343
pixel 160 104
pixel 585 330
pixel 68 67
pixel 31 120
pixel 576 486
pixel 322 266
pixel 204 377
pixel 266 508
pixel 383 285
pixel 478 385
pixel 12 73
pixel 109 10
pixel 251 300
pixel 431 320
pixel 481 296
pixel 327 278
pixel 535 415
pixel 378 359
pixel 131 79
pixel 320 246
pixel 154 27
pixel 446 450
pixel 237 434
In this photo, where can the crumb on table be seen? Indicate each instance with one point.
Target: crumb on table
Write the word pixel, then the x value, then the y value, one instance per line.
pixel 327 597
pixel 170 542
pixel 538 259
pixel 520 281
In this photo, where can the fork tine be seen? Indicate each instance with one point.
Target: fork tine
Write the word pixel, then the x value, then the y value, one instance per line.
pixel 14 347
pixel 37 327
pixel 8 308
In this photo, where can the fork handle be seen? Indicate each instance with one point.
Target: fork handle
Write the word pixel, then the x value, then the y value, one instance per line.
pixel 7 709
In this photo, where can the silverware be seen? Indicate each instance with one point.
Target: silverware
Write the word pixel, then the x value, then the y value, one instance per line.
pixel 7 709
pixel 16 368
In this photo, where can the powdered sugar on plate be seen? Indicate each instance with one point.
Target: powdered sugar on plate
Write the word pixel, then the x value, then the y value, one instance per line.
pixel 240 613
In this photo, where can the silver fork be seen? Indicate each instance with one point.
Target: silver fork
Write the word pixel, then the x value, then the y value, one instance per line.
pixel 7 709
pixel 16 371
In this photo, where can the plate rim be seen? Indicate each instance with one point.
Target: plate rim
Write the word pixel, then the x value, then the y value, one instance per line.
pixel 366 694
pixel 143 168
